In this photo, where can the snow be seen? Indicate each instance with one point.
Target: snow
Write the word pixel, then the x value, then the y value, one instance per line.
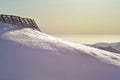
pixel 116 46
pixel 112 47
pixel 27 54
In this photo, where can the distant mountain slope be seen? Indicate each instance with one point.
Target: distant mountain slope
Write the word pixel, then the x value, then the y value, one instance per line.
pixel 112 47
pixel 27 54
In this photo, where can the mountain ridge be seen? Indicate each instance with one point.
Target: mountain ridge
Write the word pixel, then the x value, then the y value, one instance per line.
pixel 112 47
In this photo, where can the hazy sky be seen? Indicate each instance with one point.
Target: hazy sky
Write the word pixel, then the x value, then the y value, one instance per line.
pixel 68 16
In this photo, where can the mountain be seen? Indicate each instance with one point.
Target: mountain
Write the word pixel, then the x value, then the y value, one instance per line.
pixel 27 54
pixel 112 47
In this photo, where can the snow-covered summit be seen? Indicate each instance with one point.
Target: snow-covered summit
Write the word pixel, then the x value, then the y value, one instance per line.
pixel 27 54
pixel 112 47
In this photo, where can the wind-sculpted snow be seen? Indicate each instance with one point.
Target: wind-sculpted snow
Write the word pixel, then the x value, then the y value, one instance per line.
pixel 27 54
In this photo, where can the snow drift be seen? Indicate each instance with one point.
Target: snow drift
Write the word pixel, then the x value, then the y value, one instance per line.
pixel 27 54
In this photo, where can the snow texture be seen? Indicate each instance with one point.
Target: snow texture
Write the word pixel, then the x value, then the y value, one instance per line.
pixel 27 54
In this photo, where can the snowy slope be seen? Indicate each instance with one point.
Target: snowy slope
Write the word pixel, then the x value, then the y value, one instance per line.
pixel 112 47
pixel 27 54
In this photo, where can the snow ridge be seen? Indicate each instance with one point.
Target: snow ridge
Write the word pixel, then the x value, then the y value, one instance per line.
pixel 28 54
pixel 36 39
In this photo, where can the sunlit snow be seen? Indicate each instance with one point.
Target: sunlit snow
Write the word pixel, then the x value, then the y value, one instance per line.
pixel 27 54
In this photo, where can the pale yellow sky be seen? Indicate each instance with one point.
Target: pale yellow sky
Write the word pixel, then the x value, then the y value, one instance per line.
pixel 69 16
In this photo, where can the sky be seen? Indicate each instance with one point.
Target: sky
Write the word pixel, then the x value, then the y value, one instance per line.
pixel 68 16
